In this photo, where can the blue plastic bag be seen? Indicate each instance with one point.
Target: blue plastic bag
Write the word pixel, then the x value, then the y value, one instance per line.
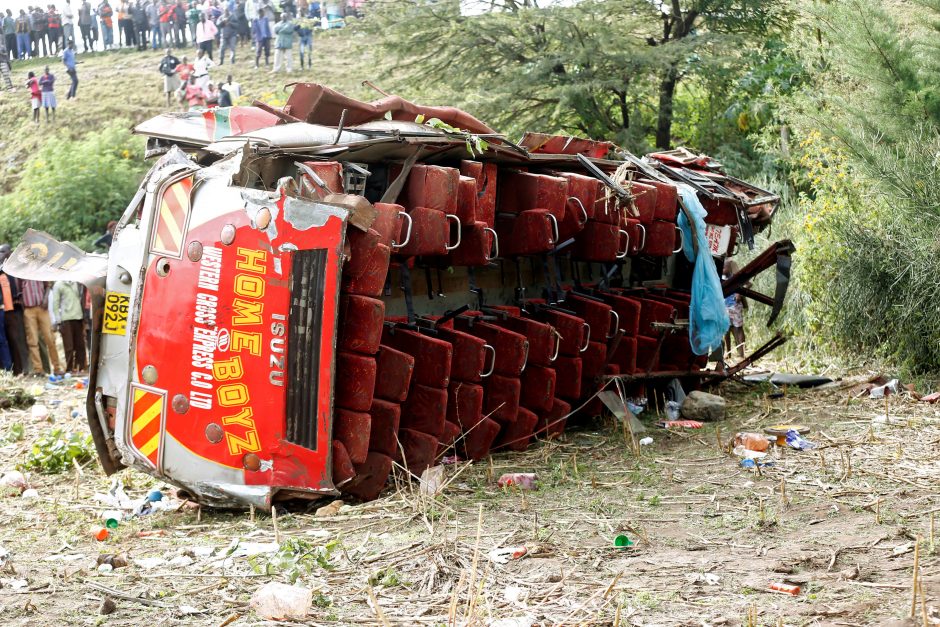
pixel 708 317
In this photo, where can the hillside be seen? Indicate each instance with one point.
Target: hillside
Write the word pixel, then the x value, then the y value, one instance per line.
pixel 126 85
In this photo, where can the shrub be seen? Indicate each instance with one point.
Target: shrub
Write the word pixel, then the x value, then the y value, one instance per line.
pixel 72 188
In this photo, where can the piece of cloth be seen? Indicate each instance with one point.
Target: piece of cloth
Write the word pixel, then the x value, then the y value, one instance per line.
pixel 708 316
pixel 39 328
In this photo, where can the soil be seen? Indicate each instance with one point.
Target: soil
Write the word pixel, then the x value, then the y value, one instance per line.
pixel 709 537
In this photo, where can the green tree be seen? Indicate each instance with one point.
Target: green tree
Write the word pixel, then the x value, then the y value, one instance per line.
pixel 607 69
pixel 72 188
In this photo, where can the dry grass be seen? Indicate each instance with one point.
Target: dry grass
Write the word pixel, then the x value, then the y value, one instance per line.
pixel 840 521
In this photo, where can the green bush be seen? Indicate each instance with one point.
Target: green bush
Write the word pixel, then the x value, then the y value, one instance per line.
pixel 72 188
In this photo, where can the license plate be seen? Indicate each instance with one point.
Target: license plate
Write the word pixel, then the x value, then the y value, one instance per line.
pixel 115 313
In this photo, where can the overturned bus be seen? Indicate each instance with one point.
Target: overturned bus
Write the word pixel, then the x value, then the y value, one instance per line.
pixel 298 299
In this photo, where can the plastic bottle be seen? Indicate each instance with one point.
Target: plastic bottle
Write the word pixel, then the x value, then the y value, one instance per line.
pixel 154 496
pixel 99 533
pixel 752 441
pixel 622 541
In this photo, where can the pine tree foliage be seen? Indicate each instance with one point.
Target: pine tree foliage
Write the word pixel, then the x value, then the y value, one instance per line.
pixel 603 68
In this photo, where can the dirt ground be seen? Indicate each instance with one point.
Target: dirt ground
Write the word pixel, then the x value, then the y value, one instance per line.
pixel 709 536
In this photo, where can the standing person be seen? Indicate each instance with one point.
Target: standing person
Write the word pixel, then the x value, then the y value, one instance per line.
pixel 65 303
pixel 205 34
pixel 241 23
pixel 6 355
pixel 229 29
pixel 201 67
pixel 305 33
pixel 37 31
pixel 105 15
pixel 38 324
pixel 47 85
pixel 68 58
pixel 152 9
pixel 192 94
pixel 229 91
pixel 54 22
pixel 171 81
pixel 12 304
pixel 167 15
pixel 261 33
pixel 284 30
pixel 184 70
pixel 94 28
pixel 68 23
pixel 23 47
pixel 35 94
pixel 179 23
pixel 141 28
pixel 192 18
pixel 84 26
pixel 9 34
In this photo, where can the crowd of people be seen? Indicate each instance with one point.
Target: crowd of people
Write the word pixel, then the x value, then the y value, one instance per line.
pixel 30 314
pixel 157 24
pixel 210 27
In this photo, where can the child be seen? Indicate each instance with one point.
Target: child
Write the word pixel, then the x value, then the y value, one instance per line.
pixel 46 82
pixel 34 94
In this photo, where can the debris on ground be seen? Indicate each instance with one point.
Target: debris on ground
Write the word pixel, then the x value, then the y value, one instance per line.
pixel 278 601
pixel 521 480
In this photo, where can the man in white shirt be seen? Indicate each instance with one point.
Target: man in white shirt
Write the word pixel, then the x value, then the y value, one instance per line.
pixel 68 24
pixel 201 67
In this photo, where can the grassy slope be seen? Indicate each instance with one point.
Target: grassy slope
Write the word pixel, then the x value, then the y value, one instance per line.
pixel 126 85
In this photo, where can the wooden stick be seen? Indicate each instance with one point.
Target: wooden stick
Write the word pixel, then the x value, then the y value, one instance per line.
pixel 718 438
pixel 251 512
pixel 277 532
pixel 923 603
pixel 931 531
pixel 783 492
pixel 914 578
pixel 379 614
pixel 878 511
pixel 471 598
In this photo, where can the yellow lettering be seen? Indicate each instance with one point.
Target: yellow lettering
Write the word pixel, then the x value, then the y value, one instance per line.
pixel 247 444
pixel 246 312
pixel 242 340
pixel 233 394
pixel 250 260
pixel 228 369
pixel 242 419
pixel 249 285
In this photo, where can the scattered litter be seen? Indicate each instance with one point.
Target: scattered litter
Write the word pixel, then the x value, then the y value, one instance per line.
pixel 107 606
pixel 189 610
pixel 14 584
pixel 278 601
pixel 251 549
pixel 112 518
pixel 149 563
pixel 780 431
pixel 502 555
pixel 154 496
pixel 891 387
pixel 521 480
pixel 114 560
pixel 432 480
pixel 329 510
pixel 746 453
pixel 35 390
pixel 883 419
pixel 933 397
pixel 99 533
pixel 39 412
pixel 902 549
pixel 517 621
pixel 755 463
pixel 795 440
pixel 672 410
pixel 751 441
pixel 514 594
pixel 622 541
pixel 105 568
pixel 181 561
pixel 784 588
pixel 70 557
pixel 13 482
pixel 685 424
pixel 646 441
pixel 781 379
pixel 705 579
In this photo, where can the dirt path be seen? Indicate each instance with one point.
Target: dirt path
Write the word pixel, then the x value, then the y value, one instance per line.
pixel 709 535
